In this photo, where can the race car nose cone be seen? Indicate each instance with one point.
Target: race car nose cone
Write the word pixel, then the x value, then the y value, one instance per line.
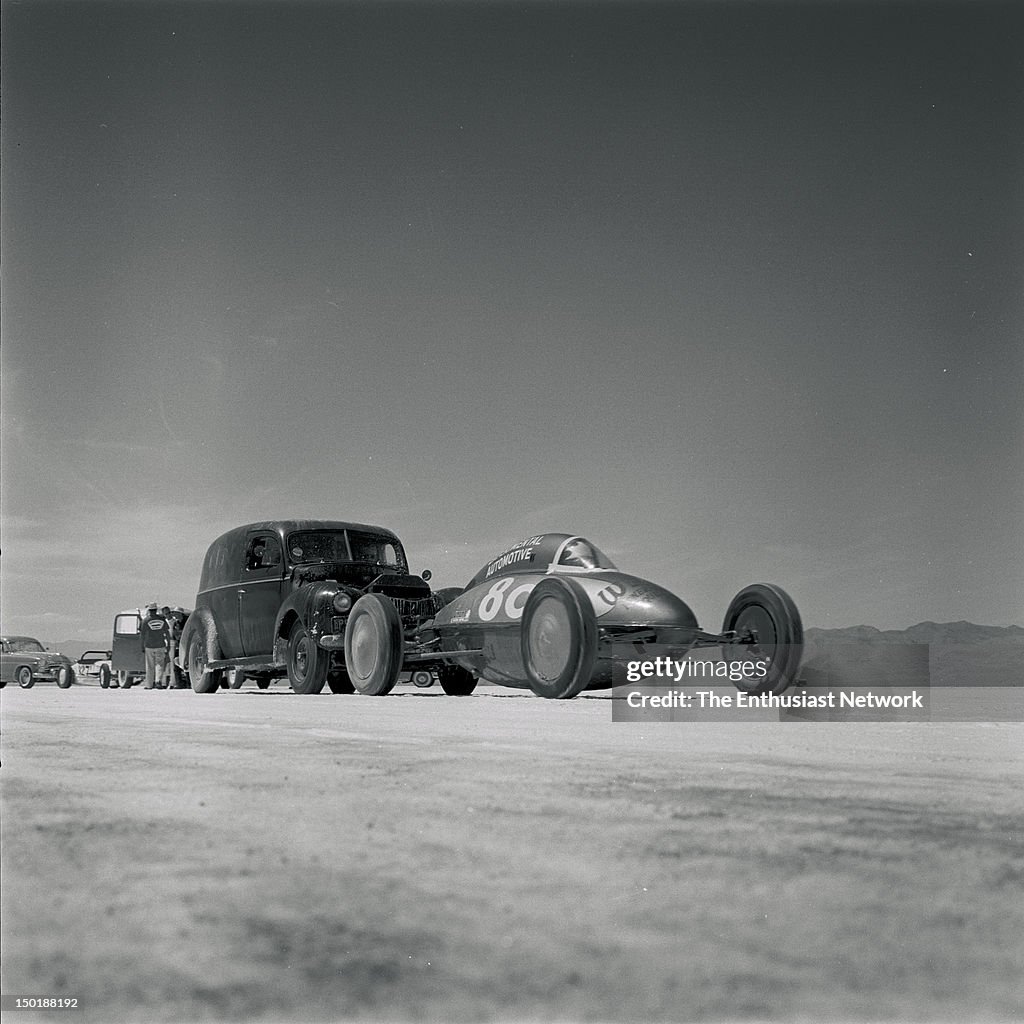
pixel 645 603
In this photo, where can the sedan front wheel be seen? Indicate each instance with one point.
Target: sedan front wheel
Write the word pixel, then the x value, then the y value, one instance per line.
pixel 308 663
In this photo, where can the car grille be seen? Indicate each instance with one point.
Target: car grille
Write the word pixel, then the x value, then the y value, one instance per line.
pixel 412 613
pixel 419 609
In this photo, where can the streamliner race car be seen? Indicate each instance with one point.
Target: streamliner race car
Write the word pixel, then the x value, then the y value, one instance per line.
pixel 547 613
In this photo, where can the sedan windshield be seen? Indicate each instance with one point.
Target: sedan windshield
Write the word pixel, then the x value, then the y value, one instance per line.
pixel 368 547
pixel 345 546
pixel 24 643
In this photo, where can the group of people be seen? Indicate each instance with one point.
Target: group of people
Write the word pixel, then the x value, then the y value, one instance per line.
pixel 161 629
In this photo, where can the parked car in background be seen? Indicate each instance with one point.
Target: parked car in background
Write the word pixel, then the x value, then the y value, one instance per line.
pixel 96 665
pixel 25 661
pixel 274 599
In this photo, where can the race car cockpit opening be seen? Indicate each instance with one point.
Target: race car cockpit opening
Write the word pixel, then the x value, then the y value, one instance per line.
pixel 579 553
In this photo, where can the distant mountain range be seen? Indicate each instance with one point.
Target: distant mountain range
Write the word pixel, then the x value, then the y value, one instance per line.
pixel 960 653
pixel 924 633
pixel 74 649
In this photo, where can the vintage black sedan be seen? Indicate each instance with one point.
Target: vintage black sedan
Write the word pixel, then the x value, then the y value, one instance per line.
pixel 274 600
pixel 547 613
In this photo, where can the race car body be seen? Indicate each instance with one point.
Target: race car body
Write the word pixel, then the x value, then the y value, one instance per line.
pixel 488 615
pixel 547 613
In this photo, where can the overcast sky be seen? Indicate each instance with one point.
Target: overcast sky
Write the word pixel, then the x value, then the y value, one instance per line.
pixel 733 289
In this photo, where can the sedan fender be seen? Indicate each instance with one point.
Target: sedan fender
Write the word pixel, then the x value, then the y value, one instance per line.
pixel 311 604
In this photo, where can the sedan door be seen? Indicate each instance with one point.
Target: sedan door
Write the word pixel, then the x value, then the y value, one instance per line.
pixel 260 593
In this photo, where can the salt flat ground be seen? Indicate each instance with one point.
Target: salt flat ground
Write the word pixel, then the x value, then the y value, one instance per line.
pixel 261 856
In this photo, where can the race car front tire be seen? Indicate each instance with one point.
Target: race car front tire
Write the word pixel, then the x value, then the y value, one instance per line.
pixel 558 639
pixel 768 612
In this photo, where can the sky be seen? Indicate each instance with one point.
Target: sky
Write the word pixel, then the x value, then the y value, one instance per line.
pixel 735 290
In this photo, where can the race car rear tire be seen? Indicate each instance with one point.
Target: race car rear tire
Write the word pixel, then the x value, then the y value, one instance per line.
pixel 769 612
pixel 456 681
pixel 24 677
pixel 307 662
pixel 105 676
pixel 373 645
pixel 262 682
pixel 235 677
pixel 203 679
pixel 65 677
pixel 339 682
pixel 558 639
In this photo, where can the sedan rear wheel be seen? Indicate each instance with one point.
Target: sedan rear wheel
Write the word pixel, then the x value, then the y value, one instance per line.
pixel 203 679
pixel 24 677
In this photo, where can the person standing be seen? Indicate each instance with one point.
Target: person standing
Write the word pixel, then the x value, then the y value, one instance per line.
pixel 155 631
pixel 173 635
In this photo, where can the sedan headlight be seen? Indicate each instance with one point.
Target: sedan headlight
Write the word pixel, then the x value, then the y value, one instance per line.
pixel 342 602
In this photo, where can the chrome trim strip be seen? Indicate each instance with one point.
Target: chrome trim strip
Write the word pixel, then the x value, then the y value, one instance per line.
pixel 240 583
